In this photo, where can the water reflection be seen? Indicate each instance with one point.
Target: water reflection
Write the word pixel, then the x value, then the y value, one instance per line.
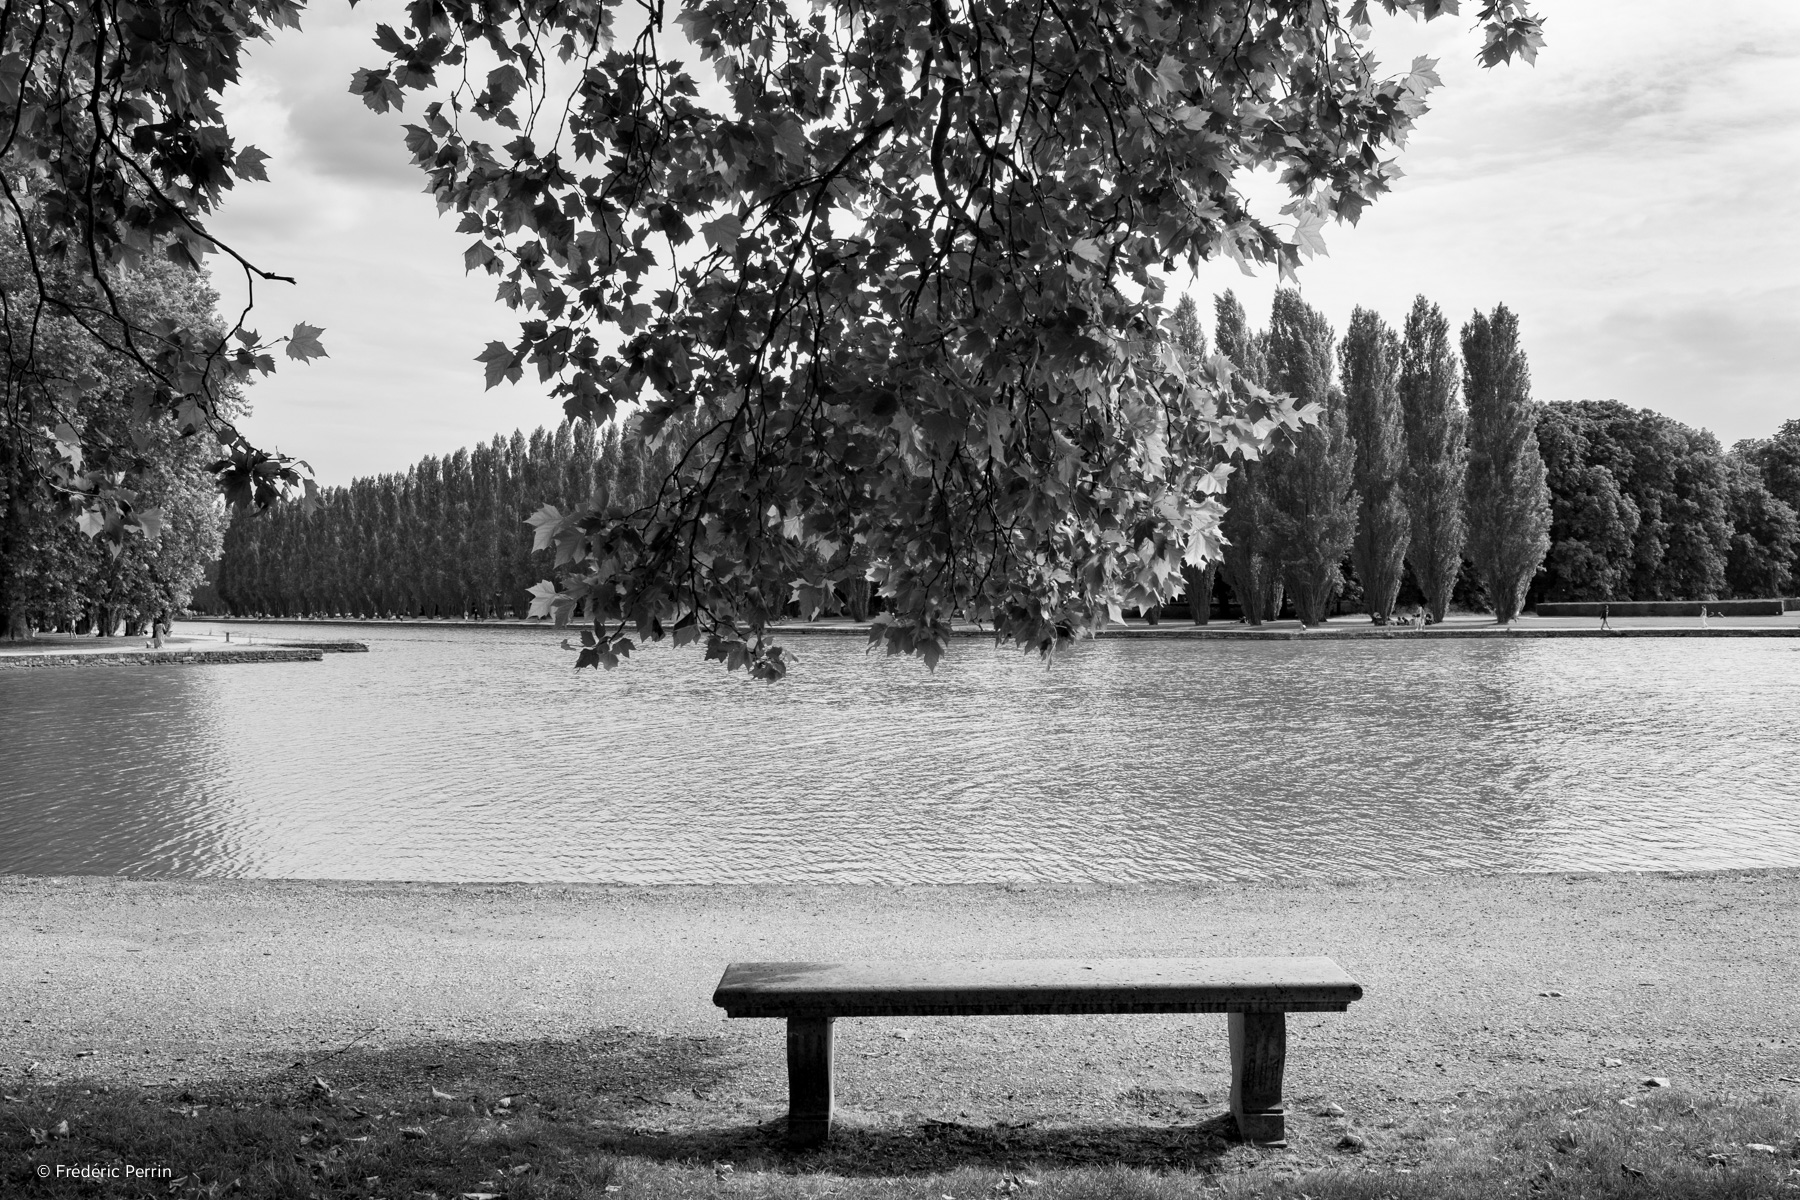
pixel 450 754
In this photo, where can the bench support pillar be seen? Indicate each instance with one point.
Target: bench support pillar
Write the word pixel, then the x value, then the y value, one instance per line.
pixel 809 1080
pixel 1258 1058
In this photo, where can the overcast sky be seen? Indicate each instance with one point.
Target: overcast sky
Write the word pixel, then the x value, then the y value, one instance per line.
pixel 1634 197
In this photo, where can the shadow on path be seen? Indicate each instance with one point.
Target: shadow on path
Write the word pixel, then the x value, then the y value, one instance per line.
pixel 935 1146
pixel 454 1109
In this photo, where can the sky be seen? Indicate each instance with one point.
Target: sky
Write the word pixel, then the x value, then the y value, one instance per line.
pixel 1634 197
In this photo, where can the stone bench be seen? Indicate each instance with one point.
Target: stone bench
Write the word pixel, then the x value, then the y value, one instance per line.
pixel 1256 993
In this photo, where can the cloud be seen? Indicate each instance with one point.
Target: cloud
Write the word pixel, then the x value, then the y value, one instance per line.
pixel 1728 362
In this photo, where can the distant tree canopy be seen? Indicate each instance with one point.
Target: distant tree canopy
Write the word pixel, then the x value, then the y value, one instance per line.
pixel 1641 508
pixel 901 286
pixel 144 551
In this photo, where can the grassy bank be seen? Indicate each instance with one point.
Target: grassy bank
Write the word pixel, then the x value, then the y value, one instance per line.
pixel 499 1136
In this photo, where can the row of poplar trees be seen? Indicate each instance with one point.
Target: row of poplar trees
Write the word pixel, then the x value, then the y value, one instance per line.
pixel 447 538
pixel 1398 471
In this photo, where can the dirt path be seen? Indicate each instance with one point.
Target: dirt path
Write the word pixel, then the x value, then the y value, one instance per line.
pixel 1693 977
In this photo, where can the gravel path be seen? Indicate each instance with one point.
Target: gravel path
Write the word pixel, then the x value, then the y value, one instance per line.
pixel 1489 983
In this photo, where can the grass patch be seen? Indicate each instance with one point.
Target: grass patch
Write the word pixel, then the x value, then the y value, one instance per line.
pixel 495 1136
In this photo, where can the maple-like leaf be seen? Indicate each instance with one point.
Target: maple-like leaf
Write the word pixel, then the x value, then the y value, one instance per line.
pixel 722 232
pixel 544 523
pixel 500 362
pixel 303 343
pixel 1423 77
pixel 250 164
pixel 1309 233
pixel 543 598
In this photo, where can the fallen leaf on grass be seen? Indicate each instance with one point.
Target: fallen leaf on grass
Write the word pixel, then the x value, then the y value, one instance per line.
pixel 61 1130
pixel 412 1131
pixel 1760 1148
pixel 481 1196
pixel 1631 1171
pixel 437 1095
pixel 1655 1081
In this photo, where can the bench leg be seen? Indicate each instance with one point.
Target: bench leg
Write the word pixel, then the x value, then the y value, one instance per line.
pixel 809 1080
pixel 1258 1057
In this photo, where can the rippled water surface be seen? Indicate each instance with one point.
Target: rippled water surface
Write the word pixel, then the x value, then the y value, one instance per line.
pixel 478 754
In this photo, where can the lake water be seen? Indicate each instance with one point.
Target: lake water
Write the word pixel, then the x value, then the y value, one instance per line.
pixel 478 754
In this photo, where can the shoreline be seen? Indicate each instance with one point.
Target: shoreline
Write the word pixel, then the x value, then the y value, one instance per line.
pixel 1484 982
pixel 1785 626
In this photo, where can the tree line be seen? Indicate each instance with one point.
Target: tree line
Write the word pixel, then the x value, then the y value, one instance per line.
pixel 448 537
pixel 1430 477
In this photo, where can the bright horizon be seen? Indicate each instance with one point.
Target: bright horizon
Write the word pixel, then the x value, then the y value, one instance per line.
pixel 1634 198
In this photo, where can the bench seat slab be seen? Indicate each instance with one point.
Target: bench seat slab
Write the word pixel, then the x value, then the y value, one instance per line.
pixel 1006 987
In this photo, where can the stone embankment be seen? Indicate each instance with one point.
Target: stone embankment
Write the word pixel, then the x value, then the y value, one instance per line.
pixel 155 658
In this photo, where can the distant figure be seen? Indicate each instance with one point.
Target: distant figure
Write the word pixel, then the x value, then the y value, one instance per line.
pixel 1703 616
pixel 1605 613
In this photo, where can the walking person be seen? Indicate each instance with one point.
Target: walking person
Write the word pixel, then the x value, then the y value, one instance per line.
pixel 1605 612
pixel 1703 616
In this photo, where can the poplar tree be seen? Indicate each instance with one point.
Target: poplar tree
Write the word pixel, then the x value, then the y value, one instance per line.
pixel 1247 565
pixel 1369 366
pixel 1508 498
pixel 1311 491
pixel 1436 454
